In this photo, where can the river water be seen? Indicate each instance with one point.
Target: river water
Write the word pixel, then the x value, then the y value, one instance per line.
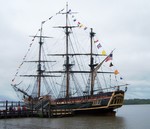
pixel 127 117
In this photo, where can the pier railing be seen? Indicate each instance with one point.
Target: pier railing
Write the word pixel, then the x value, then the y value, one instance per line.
pixel 12 109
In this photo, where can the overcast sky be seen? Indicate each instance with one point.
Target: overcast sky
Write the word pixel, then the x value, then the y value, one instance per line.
pixel 120 24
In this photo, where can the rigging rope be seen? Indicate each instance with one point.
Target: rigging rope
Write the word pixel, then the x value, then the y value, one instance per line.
pixel 24 58
pixel 16 74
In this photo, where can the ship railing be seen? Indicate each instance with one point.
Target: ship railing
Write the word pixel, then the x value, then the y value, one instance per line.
pixel 41 104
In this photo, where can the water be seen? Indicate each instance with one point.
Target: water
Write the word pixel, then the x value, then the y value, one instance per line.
pixel 128 117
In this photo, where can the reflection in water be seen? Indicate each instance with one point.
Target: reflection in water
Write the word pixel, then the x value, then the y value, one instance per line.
pixel 84 122
pixel 128 117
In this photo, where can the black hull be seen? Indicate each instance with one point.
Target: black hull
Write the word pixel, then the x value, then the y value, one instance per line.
pixel 97 105
pixel 96 112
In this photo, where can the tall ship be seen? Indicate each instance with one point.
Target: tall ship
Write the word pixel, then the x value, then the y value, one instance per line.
pixel 69 72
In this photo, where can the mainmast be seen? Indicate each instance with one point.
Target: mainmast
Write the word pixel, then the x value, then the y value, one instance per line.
pixel 39 71
pixel 67 64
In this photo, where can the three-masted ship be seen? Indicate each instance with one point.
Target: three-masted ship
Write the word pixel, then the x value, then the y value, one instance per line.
pixel 79 85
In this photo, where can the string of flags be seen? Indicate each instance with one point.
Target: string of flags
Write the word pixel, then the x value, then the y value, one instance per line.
pixel 59 12
pixel 97 43
pixel 32 43
pixel 84 27
pixel 80 25
pixel 116 72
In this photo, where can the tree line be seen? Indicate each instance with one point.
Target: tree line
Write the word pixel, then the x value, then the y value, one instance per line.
pixel 136 101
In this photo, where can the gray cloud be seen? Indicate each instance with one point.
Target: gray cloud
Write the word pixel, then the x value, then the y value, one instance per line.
pixel 119 24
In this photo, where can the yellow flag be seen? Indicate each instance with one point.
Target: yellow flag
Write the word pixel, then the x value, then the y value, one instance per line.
pixel 81 25
pixel 116 72
pixel 103 53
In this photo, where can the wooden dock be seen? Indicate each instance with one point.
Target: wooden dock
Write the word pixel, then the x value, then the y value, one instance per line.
pixel 14 109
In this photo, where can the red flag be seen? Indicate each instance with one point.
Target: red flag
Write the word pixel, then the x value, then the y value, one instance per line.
pixel 96 41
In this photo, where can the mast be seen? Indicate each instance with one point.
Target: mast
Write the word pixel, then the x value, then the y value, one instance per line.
pixel 67 57
pixel 67 64
pixel 92 65
pixel 39 71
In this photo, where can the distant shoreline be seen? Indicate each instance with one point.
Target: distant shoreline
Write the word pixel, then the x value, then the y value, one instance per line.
pixel 136 101
pixel 126 101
